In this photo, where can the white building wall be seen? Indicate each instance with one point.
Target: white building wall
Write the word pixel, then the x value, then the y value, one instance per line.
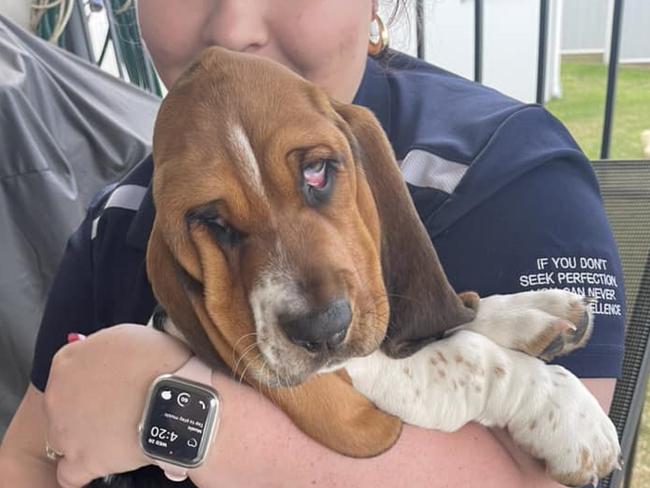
pixel 587 24
pixel 635 38
pixel 584 26
pixel 510 43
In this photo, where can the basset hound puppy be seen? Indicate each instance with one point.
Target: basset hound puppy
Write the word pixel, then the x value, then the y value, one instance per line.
pixel 286 246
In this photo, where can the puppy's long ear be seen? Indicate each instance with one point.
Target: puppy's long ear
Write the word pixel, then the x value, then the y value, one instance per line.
pixel 423 304
pixel 172 287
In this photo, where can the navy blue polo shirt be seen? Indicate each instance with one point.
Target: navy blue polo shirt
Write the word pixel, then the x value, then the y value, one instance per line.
pixel 509 200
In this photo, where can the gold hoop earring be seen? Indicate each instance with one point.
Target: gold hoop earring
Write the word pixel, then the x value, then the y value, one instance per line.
pixel 376 47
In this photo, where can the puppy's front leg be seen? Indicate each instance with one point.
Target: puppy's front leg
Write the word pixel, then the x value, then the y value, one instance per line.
pixel 545 324
pixel 467 377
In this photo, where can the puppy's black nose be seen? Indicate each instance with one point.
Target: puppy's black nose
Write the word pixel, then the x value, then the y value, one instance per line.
pixel 320 329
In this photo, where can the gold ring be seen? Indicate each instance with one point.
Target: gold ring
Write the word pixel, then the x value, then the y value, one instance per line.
pixel 51 453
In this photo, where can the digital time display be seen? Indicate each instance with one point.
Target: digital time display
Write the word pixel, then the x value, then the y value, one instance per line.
pixel 162 434
pixel 177 419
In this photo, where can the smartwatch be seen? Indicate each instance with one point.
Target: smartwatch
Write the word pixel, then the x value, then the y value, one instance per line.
pixel 180 419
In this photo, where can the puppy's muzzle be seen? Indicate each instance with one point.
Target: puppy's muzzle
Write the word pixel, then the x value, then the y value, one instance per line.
pixel 320 330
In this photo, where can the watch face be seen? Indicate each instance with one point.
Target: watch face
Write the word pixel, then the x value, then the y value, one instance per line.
pixel 178 421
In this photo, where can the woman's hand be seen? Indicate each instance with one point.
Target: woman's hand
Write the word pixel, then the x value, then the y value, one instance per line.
pixel 95 397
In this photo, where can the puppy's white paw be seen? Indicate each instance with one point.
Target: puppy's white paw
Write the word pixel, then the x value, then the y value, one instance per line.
pixel 544 324
pixel 570 432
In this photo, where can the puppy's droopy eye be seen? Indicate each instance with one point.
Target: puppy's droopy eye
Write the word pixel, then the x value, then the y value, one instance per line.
pixel 318 180
pixel 222 231
pixel 316 174
pixel 217 221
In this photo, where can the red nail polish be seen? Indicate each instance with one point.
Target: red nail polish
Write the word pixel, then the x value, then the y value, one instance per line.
pixel 74 336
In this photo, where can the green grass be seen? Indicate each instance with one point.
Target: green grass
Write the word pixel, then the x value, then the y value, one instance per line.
pixel 582 106
pixel 581 109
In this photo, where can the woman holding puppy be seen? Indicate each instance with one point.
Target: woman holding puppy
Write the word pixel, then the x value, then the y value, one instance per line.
pixel 501 187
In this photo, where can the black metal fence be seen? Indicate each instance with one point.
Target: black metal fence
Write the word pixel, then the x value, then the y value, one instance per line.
pixel 541 58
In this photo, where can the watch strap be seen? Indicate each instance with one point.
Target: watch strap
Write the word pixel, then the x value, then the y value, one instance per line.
pixel 197 371
pixel 173 472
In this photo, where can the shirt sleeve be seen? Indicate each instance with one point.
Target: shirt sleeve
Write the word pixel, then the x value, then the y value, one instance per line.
pixel 545 228
pixel 69 307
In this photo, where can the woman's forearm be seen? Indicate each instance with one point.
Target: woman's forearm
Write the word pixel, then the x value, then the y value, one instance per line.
pixel 257 445
pixel 26 471
pixel 22 454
